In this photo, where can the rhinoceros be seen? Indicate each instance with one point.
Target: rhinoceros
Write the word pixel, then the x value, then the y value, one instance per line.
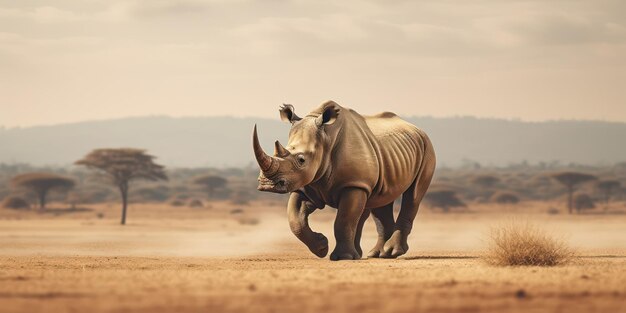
pixel 357 164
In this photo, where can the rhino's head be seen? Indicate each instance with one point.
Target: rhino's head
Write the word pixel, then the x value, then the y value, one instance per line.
pixel 305 156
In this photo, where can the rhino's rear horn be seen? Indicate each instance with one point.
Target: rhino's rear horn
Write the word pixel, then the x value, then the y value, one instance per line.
pixel 280 151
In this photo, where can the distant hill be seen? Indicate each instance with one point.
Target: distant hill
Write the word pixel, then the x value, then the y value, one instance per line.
pixel 226 141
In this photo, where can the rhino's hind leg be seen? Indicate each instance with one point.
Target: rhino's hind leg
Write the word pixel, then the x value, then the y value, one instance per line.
pixel 397 245
pixel 383 217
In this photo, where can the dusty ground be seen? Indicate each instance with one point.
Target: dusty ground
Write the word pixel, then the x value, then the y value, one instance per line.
pixel 182 260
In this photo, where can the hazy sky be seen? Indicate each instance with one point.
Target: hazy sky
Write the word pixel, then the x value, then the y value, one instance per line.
pixel 63 61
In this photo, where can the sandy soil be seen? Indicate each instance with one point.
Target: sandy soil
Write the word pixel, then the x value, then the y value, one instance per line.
pixel 184 260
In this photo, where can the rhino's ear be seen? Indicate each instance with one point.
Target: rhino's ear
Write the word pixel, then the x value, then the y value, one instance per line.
pixel 328 116
pixel 288 114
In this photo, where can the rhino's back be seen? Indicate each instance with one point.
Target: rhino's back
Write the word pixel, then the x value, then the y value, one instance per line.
pixel 386 123
pixel 400 153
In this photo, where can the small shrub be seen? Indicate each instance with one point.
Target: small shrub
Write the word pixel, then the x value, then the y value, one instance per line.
pixel 94 194
pixel 505 197
pixel 583 201
pixel 553 211
pixel 525 245
pixel 236 211
pixel 211 183
pixel 177 202
pixel 249 221
pixel 444 199
pixel 486 181
pixel 195 203
pixel 241 197
pixel 151 194
pixel 14 202
pixel 182 196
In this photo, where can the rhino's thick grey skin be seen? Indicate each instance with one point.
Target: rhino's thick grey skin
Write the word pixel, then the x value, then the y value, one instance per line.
pixel 357 164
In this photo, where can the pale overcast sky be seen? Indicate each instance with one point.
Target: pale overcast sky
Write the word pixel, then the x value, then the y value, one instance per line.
pixel 64 61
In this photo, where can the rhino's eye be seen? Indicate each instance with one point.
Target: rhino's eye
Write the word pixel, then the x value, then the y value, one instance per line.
pixel 300 159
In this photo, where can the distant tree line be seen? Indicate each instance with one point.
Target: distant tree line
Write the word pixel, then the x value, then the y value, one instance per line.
pixel 111 171
pixel 580 187
pixel 133 176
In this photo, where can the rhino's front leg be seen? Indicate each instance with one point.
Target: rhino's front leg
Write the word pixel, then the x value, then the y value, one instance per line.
pixel 359 231
pixel 351 205
pixel 298 210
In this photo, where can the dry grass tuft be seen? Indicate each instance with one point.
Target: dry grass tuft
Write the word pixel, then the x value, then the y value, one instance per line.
pixel 518 244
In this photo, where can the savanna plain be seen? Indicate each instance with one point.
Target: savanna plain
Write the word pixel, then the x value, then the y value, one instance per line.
pixel 242 258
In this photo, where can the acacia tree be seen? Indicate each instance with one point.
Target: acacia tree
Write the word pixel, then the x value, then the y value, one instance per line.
pixel 41 184
pixel 607 187
pixel 570 180
pixel 121 166
pixel 210 183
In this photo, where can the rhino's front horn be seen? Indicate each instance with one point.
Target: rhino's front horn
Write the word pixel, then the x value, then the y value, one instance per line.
pixel 280 151
pixel 266 162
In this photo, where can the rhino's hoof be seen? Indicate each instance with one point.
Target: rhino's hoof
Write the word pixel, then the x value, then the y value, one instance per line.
pixel 376 252
pixel 359 250
pixel 392 253
pixel 395 246
pixel 320 248
pixel 344 254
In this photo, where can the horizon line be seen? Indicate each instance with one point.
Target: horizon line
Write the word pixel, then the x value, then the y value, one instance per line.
pixel 130 117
